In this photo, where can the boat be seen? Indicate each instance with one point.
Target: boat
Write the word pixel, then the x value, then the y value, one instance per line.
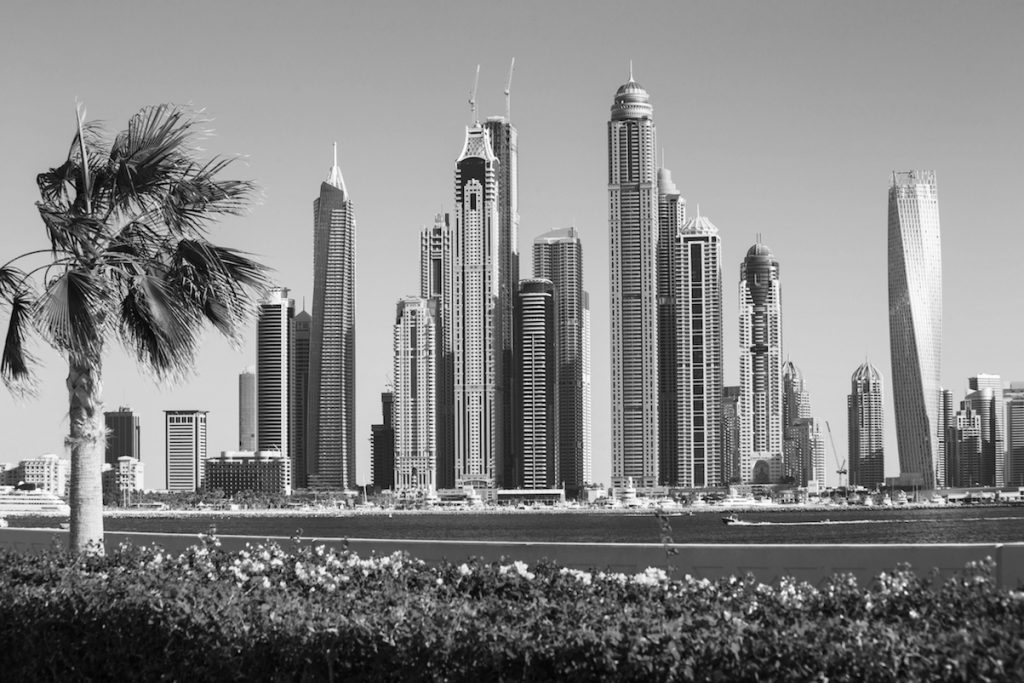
pixel 730 519
pixel 31 501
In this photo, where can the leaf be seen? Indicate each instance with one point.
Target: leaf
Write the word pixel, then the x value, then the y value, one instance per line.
pixel 15 362
pixel 71 311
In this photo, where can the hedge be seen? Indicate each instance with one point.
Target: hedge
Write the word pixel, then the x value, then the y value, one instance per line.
pixel 309 613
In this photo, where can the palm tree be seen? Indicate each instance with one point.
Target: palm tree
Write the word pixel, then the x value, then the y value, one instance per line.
pixel 126 221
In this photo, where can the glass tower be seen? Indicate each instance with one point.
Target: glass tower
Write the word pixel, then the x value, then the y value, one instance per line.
pixel 866 427
pixel 273 346
pixel 915 320
pixel 536 461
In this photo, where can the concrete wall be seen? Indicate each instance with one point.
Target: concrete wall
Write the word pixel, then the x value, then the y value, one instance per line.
pixel 811 563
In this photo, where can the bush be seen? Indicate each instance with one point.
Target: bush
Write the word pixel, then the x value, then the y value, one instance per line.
pixel 309 613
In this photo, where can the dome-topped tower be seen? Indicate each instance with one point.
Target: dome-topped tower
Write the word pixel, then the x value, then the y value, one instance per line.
pixel 866 373
pixel 631 101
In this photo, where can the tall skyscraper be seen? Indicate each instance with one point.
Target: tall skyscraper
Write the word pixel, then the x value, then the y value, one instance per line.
pixel 760 408
pixel 633 236
pixel 588 434
pixel 697 291
pixel 123 435
pixel 247 409
pixel 995 434
pixel 946 421
pixel 302 328
pixel 964 445
pixel 331 438
pixel 382 445
pixel 536 442
pixel 1014 397
pixel 475 317
pixel 504 139
pixel 866 427
pixel 730 431
pixel 415 366
pixel 558 257
pixel 185 440
pixel 273 344
pixel 671 217
pixel 797 426
pixel 436 268
pixel 915 319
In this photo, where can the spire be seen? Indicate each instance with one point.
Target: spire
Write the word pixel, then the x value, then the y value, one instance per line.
pixel 631 71
pixel 334 176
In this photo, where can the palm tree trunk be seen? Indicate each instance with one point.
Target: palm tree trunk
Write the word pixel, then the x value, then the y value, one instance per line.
pixel 87 442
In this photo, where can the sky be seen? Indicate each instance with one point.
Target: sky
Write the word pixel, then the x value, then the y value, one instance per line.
pixel 779 119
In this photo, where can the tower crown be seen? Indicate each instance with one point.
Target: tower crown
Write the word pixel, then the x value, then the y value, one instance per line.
pixel 631 102
pixel 866 373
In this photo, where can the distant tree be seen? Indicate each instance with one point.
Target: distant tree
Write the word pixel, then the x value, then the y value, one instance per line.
pixel 127 259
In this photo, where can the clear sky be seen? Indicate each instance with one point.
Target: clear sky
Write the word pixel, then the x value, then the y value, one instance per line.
pixel 782 119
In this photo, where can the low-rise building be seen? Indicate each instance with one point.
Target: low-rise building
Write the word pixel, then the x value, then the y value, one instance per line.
pixel 122 480
pixel 46 472
pixel 261 472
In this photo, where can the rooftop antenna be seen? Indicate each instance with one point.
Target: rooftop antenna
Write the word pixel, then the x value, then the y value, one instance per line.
pixel 472 95
pixel 508 90
pixel 631 70
pixel 698 209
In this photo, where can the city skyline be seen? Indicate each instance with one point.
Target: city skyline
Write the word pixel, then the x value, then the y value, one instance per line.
pixel 768 139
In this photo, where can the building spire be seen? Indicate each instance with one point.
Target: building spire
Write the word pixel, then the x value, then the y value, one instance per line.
pixel 631 71
pixel 334 176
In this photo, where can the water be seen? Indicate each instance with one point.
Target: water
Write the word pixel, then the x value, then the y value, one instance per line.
pixel 932 525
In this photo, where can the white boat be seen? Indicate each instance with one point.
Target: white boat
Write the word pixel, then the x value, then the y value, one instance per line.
pixel 29 502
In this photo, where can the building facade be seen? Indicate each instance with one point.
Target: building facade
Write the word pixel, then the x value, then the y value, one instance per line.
pixel 866 427
pixel 247 409
pixel 698 313
pixel 797 427
pixel 415 400
pixel 298 373
pixel 915 319
pixel 123 435
pixel 1014 398
pixel 261 472
pixel 588 433
pixel 633 235
pixel 273 362
pixel 671 217
pixel 558 257
pixel 121 481
pixel 330 437
pixel 730 432
pixel 436 284
pixel 382 445
pixel 185 439
pixel 475 318
pixel 964 446
pixel 760 407
pixel 537 440
pixel 995 434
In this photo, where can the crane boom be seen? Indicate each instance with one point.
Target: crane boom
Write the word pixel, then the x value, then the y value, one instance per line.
pixel 472 95
pixel 840 468
pixel 508 91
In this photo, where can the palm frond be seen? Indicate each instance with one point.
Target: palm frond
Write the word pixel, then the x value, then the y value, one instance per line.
pixel 72 312
pixel 162 334
pixel 11 279
pixel 198 196
pixel 16 360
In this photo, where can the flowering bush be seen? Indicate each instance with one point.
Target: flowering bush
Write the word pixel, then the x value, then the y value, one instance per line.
pixel 311 613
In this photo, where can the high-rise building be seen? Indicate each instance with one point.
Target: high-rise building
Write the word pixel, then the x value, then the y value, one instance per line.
pixel 697 291
pixel 730 431
pixel 504 139
pixel 760 408
pixel 588 444
pixel 475 318
pixel 123 435
pixel 946 420
pixel 558 257
pixel 995 428
pixel 331 437
pixel 1014 397
pixel 436 268
pixel 964 449
pixel 302 327
pixel 633 235
pixel 273 344
pixel 415 365
pixel 247 409
pixel 185 439
pixel 671 217
pixel 866 428
pixel 915 320
pixel 382 445
pixel 797 426
pixel 536 442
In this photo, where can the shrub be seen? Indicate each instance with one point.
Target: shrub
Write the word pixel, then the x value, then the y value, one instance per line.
pixel 310 613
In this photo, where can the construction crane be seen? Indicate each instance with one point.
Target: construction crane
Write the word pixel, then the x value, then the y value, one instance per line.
pixel 472 95
pixel 508 90
pixel 840 468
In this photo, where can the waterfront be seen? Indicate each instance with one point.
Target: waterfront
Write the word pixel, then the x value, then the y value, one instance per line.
pixel 968 524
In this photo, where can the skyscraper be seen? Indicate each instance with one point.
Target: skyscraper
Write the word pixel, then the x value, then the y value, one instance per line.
pixel 866 428
pixel 185 440
pixel 1014 397
pixel 964 445
pixel 504 139
pixel 697 291
pixel 671 217
pixel 797 424
pixel 730 434
pixel 415 401
pixel 331 438
pixel 122 435
pixel 535 445
pixel 946 421
pixel 273 344
pixel 760 407
pixel 436 268
pixel 915 319
pixel 995 434
pixel 475 317
pixel 302 327
pixel 633 236
pixel 247 409
pixel 588 445
pixel 382 445
pixel 558 257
